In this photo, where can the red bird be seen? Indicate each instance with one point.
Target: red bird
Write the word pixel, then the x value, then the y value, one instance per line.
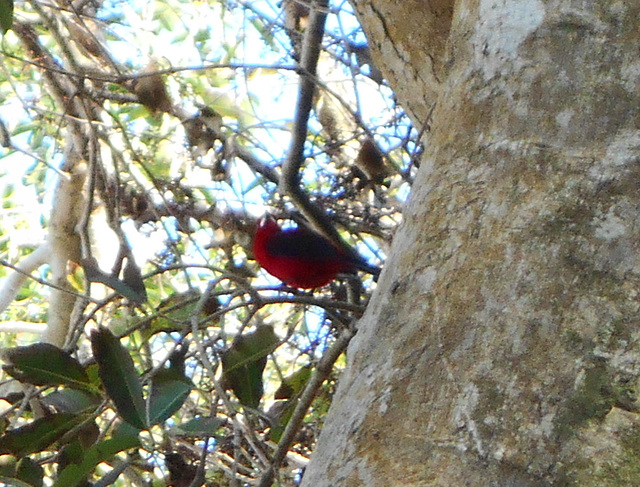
pixel 302 258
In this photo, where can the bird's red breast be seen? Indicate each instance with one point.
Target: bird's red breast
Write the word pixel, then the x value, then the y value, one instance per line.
pixel 299 257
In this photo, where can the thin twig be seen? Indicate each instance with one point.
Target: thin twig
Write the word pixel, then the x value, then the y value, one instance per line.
pixel 320 374
pixel 46 283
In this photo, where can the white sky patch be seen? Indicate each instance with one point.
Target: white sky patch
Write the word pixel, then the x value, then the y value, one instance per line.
pixel 504 25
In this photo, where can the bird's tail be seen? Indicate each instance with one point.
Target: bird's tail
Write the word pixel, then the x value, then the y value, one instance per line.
pixel 364 266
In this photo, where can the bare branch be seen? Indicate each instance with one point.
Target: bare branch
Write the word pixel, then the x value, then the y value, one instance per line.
pixel 320 374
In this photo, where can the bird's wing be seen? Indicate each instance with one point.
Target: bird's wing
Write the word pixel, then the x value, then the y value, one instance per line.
pixel 302 244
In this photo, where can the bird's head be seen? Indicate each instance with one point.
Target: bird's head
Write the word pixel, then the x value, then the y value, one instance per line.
pixel 267 221
pixel 267 226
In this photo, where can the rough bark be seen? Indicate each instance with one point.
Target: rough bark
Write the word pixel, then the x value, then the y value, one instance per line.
pixel 408 41
pixel 502 345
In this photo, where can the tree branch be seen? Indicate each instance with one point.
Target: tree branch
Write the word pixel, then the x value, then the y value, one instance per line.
pixel 320 374
pixel 16 280
pixel 290 177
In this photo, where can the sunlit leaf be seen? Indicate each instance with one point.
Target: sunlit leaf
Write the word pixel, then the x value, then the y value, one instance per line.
pixel 119 376
pixel 7 196
pixel 202 35
pixel 265 32
pixel 167 17
pixel 175 312
pixel 181 37
pixel 294 384
pixel 135 112
pixel 36 139
pixel 198 427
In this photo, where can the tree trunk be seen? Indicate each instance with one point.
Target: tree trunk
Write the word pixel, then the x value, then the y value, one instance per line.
pixel 502 346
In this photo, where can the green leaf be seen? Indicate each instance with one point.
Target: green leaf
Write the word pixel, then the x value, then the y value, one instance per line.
pixel 243 363
pixel 280 422
pixel 175 312
pixel 7 196
pixel 119 377
pixel 202 35
pixel 294 384
pixel 71 401
pixel 132 287
pixel 169 390
pixel 198 427
pixel 43 364
pixel 39 434
pixel 180 37
pixel 134 112
pixel 8 467
pixel 30 472
pixel 6 15
pixel 71 453
pixel 93 372
pixel 37 137
pixel 13 482
pixel 104 451
pixel 132 278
